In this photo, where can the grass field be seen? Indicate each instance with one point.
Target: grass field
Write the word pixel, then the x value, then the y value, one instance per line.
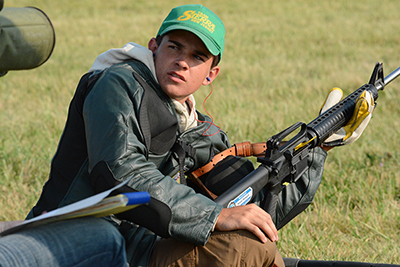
pixel 280 60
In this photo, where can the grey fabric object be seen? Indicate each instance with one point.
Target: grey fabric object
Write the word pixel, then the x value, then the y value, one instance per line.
pixel 27 38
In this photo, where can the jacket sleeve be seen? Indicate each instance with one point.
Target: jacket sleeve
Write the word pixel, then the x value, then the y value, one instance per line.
pixel 113 135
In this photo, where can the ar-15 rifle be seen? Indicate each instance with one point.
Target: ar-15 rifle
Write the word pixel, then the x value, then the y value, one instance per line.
pixel 286 162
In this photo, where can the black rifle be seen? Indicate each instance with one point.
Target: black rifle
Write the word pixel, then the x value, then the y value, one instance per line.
pixel 285 162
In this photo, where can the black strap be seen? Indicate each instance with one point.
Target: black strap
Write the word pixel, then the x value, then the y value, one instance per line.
pixel 182 150
pixel 124 228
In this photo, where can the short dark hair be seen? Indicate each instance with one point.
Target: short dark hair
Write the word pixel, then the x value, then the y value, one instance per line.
pixel 216 59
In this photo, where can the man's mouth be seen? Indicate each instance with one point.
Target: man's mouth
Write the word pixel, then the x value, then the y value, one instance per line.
pixel 173 74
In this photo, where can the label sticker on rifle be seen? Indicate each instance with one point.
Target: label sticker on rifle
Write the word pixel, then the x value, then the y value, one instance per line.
pixel 242 199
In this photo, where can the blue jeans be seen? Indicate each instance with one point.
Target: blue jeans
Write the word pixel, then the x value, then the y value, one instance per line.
pixel 78 242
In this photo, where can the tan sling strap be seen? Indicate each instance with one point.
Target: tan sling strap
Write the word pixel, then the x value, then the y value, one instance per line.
pixel 244 149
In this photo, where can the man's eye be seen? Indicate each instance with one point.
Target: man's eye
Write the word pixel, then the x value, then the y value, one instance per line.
pixel 198 58
pixel 174 47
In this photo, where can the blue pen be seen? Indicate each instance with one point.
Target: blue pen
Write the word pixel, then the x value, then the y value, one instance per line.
pixel 135 198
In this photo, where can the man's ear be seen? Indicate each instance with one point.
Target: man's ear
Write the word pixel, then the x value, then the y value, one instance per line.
pixel 211 75
pixel 152 45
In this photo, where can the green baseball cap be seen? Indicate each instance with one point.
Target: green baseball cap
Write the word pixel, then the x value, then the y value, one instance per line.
pixel 200 21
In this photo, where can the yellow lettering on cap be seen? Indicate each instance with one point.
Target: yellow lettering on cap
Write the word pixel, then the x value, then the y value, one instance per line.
pixel 199 18
pixel 186 15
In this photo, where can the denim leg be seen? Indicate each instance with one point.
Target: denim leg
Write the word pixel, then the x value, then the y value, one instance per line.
pixel 78 242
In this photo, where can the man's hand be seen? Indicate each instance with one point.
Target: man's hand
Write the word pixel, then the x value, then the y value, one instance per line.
pixel 249 217
pixel 353 129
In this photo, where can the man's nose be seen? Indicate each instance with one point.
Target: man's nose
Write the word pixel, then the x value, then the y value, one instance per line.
pixel 182 62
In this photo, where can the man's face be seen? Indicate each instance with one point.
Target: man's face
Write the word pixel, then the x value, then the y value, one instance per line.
pixel 182 64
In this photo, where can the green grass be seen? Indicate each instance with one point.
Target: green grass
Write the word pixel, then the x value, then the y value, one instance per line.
pixel 280 60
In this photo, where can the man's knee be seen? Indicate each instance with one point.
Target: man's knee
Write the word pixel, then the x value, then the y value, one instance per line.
pixel 245 249
pixel 235 248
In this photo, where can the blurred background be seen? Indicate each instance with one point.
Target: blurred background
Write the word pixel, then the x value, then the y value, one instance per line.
pixel 280 60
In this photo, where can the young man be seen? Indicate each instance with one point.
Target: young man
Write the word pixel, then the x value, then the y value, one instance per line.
pixel 135 112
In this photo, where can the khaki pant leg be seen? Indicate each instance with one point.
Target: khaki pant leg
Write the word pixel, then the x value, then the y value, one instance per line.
pixel 235 248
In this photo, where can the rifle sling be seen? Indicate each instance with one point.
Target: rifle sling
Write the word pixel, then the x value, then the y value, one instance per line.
pixel 244 149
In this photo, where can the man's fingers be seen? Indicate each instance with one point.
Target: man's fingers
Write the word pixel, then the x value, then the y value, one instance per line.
pixel 258 233
pixel 268 228
pixel 264 222
pixel 249 217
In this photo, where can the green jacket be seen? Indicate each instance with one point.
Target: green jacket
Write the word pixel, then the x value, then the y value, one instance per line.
pixel 104 124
